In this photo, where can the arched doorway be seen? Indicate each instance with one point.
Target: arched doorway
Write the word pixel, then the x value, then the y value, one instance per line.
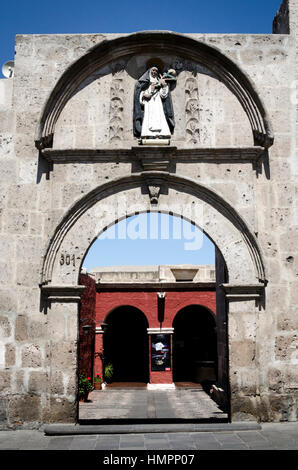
pixel 91 215
pixel 126 344
pixel 194 345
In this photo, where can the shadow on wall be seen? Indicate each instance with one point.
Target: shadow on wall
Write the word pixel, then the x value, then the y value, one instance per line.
pixel 87 326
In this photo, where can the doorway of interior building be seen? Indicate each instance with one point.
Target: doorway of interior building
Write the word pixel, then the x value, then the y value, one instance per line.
pixel 195 346
pixel 126 346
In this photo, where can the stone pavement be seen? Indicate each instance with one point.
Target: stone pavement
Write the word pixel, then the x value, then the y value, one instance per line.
pixel 144 420
pixel 271 436
pixel 179 403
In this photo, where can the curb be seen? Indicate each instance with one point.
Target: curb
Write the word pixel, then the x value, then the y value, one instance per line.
pixel 77 429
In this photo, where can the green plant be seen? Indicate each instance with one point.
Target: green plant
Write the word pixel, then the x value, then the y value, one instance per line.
pixel 98 379
pixel 85 386
pixel 109 370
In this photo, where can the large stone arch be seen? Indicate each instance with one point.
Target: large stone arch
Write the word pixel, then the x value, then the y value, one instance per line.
pixel 155 42
pixel 93 213
pixel 120 198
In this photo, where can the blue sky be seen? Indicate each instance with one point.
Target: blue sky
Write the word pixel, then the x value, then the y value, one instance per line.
pixel 150 239
pixel 102 16
pixel 125 16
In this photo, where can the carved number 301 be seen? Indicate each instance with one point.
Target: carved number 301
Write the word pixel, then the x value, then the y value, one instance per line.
pixel 67 259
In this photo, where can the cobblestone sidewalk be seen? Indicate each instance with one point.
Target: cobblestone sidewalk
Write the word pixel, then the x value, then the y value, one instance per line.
pixel 150 404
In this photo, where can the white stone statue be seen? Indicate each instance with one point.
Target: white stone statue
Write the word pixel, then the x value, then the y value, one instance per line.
pixel 153 110
pixel 154 121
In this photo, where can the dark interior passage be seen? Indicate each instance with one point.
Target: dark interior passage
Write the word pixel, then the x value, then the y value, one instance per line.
pixel 194 345
pixel 126 345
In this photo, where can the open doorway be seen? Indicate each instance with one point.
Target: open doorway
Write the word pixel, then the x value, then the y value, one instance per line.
pixel 126 345
pixel 194 346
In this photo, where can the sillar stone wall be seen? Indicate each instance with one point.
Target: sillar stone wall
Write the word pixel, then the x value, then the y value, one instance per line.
pixel 56 188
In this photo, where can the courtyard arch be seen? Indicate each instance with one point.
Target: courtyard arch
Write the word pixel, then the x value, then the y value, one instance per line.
pixel 125 344
pixel 195 345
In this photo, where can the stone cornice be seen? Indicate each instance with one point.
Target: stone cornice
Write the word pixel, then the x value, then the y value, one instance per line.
pixel 156 158
pixel 62 293
pixel 155 286
pixel 243 291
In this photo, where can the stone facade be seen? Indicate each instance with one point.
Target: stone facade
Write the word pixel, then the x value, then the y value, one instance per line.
pixel 68 159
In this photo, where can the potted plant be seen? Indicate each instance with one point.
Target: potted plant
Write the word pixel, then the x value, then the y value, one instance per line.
pixel 97 382
pixel 85 386
pixel 109 371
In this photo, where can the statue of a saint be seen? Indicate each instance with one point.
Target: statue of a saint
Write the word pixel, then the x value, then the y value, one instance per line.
pixel 153 109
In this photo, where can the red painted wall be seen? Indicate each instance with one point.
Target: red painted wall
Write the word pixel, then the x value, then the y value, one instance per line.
pixel 147 302
pixel 87 317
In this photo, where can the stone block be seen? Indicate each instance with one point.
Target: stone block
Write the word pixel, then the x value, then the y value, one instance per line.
pixel 7 120
pixel 37 328
pixel 275 407
pixel 82 173
pixel 7 170
pixel 20 381
pixel 29 249
pixel 294 293
pixel 28 299
pixel 278 298
pixel 56 382
pixel 243 408
pixel 21 324
pixel 3 411
pixel 282 146
pixel 59 410
pixel 5 327
pixel 16 222
pixel 286 347
pixel 6 145
pixel 21 195
pixel 56 325
pixel 36 223
pixel 5 381
pixel 7 247
pixel 245 381
pixel 72 385
pixel 73 192
pixel 31 356
pixel 64 138
pixel 242 353
pixel 27 274
pixel 273 272
pixel 8 301
pixel 25 149
pixel 288 240
pixel 10 354
pixel 6 273
pixel 23 409
pixel 275 380
pixel 63 354
pixel 38 382
pixel 286 321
